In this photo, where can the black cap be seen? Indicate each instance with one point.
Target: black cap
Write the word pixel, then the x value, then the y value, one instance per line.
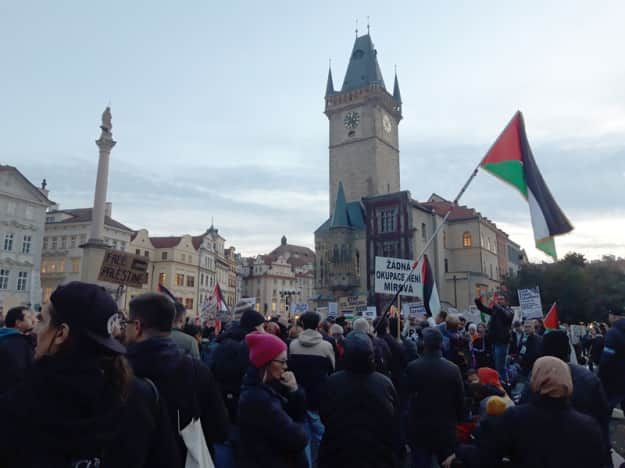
pixel 251 319
pixel 88 308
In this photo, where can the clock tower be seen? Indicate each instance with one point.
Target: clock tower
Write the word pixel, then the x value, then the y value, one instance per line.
pixel 363 115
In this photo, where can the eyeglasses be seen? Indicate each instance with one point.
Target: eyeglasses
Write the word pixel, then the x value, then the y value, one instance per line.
pixel 280 361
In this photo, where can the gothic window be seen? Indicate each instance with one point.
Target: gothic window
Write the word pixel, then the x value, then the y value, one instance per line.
pixel 446 266
pixel 335 257
pixel 357 262
pixel 445 239
pixel 467 241
pixel 343 253
pixel 424 235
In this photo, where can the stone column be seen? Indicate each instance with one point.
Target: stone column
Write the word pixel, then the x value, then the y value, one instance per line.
pixel 105 144
pixel 93 250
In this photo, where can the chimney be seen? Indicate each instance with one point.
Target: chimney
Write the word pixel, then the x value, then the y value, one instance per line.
pixel 108 209
pixel 43 188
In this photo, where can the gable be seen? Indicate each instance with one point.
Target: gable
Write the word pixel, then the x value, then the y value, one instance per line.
pixel 15 185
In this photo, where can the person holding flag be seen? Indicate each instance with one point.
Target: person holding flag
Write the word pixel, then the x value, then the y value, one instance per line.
pixel 498 331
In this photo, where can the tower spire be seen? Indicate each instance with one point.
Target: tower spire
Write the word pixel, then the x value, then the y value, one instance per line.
pixel 396 93
pixel 330 82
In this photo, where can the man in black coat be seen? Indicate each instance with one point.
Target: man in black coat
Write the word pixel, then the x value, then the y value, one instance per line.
pixel 359 408
pixel 530 348
pixel 16 347
pixel 612 364
pixel 436 402
pixel 186 386
pixel 498 332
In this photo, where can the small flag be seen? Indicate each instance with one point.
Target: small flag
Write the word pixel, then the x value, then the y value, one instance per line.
pixel 551 319
pixel 163 290
pixel 511 160
pixel 217 300
pixel 430 293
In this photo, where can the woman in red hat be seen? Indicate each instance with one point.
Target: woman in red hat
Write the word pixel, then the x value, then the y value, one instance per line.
pixel 271 408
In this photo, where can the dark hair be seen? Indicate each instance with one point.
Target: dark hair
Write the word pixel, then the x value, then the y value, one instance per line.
pixel 13 315
pixel 393 328
pixel 115 368
pixel 155 311
pixel 380 325
pixel 310 320
pixel 191 329
pixel 181 311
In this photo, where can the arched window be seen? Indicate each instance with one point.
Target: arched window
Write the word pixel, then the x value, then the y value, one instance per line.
pixel 467 241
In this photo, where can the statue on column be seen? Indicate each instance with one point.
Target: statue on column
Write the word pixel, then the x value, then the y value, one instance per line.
pixel 106 126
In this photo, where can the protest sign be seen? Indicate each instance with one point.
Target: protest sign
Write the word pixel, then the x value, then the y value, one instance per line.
pixel 390 274
pixel 529 300
pixel 124 268
pixel 354 305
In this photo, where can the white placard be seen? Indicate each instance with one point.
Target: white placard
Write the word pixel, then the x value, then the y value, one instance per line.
pixel 390 274
pixel 529 300
pixel 370 313
pixel 413 309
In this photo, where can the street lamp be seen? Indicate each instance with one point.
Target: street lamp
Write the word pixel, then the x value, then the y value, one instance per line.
pixel 286 295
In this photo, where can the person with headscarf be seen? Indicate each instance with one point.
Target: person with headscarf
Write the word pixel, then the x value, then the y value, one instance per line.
pixel 359 408
pixel 547 432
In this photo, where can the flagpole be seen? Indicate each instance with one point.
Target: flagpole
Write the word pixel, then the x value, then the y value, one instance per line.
pixel 427 245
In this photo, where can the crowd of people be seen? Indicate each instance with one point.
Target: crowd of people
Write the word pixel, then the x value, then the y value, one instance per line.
pixel 83 386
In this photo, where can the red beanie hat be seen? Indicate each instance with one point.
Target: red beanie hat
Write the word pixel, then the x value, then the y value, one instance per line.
pixel 263 347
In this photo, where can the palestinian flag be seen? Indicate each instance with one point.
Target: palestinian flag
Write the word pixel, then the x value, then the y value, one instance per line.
pixel 511 159
pixel 216 300
pixel 431 301
pixel 551 319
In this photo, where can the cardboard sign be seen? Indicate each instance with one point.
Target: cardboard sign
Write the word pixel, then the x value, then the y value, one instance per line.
pixel 413 309
pixel 354 305
pixel 390 274
pixel 124 268
pixel 531 306
pixel 300 308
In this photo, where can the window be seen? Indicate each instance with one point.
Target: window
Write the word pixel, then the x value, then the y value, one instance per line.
pixel 179 279
pixel 75 265
pixel 22 279
pixel 54 244
pixel 26 244
pixel 8 241
pixel 49 219
pixel 83 238
pixel 188 303
pixel 387 220
pixel 61 266
pixel 47 292
pixel 45 243
pixel 183 257
pixel 424 235
pixel 164 256
pixel 446 266
pixel 445 239
pixel 4 279
pixel 190 281
pixel 146 253
pixel 63 242
pixel 162 278
pixel 467 241
pixel 138 251
pixel 491 270
pixel 72 242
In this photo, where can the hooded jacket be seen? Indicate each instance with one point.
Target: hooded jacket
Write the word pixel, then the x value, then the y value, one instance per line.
pixel 187 387
pixel 16 356
pixel 65 412
pixel 271 425
pixel 359 408
pixel 311 358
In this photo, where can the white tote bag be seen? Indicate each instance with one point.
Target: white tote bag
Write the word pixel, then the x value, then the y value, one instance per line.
pixel 198 455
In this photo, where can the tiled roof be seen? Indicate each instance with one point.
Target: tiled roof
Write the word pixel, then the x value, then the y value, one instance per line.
pixel 165 242
pixel 83 215
pixel 458 212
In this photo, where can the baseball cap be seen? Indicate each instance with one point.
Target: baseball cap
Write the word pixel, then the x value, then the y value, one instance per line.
pixel 88 308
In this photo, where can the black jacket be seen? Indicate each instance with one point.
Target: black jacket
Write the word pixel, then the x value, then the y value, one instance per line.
pixel 612 364
pixel 16 356
pixel 436 403
pixel 271 425
pixel 499 323
pixel 65 411
pixel 531 348
pixel 398 361
pixel 360 414
pixel 230 360
pixel 546 433
pixel 187 387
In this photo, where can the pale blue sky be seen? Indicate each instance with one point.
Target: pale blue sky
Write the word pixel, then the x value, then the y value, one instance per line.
pixel 217 108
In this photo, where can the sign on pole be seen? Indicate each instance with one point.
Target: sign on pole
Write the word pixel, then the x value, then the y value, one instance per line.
pixel 124 268
pixel 529 300
pixel 370 313
pixel 333 309
pixel 354 305
pixel 390 274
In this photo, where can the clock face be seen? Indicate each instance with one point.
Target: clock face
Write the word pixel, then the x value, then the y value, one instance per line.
pixel 351 120
pixel 386 123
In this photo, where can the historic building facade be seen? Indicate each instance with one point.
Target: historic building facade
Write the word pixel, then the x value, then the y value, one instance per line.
pixel 280 279
pixel 22 219
pixel 369 215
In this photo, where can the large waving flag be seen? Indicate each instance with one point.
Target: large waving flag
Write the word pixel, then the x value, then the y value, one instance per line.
pixel 511 160
pixel 216 300
pixel 551 321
